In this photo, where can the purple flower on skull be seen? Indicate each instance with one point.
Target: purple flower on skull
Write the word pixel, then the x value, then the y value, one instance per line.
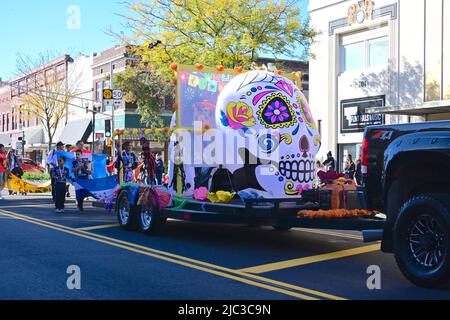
pixel 277 112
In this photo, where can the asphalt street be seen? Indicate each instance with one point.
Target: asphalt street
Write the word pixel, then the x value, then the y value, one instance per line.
pixel 187 261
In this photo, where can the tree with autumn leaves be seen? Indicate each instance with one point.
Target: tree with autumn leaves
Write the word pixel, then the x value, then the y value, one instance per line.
pixel 232 33
pixel 47 98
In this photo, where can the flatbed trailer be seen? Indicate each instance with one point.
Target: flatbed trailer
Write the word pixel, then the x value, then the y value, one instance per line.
pixel 281 214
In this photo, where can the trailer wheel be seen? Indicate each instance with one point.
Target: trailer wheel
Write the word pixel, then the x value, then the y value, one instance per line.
pixel 422 240
pixel 126 213
pixel 149 220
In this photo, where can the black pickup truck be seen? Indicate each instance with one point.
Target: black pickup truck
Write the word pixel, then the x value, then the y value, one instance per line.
pixel 406 169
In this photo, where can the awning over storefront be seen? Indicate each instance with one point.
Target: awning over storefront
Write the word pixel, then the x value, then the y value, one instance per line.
pixel 5 139
pixel 434 107
pixel 75 131
pixel 34 136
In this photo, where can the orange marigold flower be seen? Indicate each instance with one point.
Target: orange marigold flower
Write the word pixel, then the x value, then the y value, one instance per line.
pixel 173 66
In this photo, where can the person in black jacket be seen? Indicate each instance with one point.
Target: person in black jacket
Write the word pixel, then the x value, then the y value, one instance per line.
pixel 350 167
pixel 159 172
pixel 330 163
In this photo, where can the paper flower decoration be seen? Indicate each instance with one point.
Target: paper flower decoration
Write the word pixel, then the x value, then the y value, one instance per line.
pixel 239 69
pixel 220 68
pixel 201 194
pixel 220 196
pixel 199 66
pixel 173 66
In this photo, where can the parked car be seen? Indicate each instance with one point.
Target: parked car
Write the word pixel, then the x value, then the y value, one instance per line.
pixel 29 165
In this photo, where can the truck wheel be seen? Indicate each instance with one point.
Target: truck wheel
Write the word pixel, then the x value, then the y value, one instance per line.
pixel 126 213
pixel 422 240
pixel 149 220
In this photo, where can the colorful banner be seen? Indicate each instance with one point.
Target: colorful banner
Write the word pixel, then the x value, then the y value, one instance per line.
pixel 97 161
pixel 197 95
pixel 102 189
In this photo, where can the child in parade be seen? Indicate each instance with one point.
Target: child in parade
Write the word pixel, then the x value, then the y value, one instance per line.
pixel 81 171
pixel 60 174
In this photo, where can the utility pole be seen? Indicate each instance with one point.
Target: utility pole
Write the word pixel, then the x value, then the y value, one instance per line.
pixel 113 127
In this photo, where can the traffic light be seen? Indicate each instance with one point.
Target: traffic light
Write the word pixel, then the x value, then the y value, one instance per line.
pixel 108 128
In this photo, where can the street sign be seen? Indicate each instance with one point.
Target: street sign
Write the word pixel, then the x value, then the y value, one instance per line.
pixel 117 95
pixel 107 94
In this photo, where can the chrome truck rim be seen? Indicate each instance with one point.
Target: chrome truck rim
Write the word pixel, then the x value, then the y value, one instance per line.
pixel 426 242
pixel 124 211
pixel 146 216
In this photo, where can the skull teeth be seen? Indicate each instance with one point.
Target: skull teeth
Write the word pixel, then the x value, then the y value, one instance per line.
pixel 297 170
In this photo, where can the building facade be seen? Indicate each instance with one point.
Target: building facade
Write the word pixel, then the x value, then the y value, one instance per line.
pixel 77 124
pixel 25 130
pixel 376 62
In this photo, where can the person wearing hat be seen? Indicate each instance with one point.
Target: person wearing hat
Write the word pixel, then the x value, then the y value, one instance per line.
pixel 52 160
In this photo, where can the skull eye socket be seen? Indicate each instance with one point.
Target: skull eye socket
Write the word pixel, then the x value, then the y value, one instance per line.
pixel 276 112
pixel 268 143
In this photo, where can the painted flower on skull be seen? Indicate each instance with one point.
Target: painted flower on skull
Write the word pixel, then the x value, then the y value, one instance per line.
pixel 240 115
pixel 306 112
pixel 276 112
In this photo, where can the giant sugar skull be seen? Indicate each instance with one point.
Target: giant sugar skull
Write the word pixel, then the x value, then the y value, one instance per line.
pixel 269 110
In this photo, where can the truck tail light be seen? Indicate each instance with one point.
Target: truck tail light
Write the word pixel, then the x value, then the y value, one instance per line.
pixel 365 156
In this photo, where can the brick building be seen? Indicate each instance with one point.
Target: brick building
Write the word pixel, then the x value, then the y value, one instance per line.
pixel 5 110
pixel 14 121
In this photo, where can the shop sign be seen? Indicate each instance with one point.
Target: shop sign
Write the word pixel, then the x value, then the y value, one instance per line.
pixel 354 117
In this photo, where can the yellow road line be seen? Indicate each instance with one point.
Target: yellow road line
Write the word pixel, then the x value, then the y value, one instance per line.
pixel 105 226
pixel 312 259
pixel 167 256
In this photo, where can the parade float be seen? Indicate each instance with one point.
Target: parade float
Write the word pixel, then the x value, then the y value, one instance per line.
pixel 242 150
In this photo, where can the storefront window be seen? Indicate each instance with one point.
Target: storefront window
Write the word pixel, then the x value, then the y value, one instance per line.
pixel 354 56
pixel 378 52
pixel 364 50
pixel 433 50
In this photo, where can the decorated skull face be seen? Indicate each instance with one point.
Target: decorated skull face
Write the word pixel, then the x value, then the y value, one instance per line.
pixel 268 110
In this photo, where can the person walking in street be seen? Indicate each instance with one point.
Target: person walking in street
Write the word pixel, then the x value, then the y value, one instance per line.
pixel 52 161
pixel 60 174
pixel 81 171
pixel 2 168
pixel 159 171
pixel 349 169
pixel 330 163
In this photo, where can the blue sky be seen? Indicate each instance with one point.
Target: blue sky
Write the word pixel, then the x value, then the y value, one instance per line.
pixel 30 27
